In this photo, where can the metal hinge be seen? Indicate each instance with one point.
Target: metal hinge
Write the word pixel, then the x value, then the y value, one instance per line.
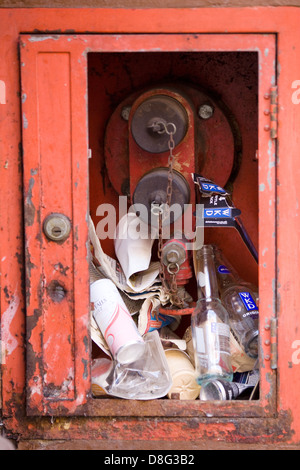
pixel 273 334
pixel 273 111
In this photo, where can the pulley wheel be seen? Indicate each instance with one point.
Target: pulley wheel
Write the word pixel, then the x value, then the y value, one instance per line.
pixel 151 192
pixel 146 130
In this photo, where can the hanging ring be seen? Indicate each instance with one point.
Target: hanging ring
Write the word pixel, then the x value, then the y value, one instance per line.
pixel 161 126
pixel 157 209
pixel 173 268
pixel 171 131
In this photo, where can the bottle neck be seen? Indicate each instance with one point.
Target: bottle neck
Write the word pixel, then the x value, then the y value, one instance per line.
pixel 204 265
pixel 226 275
pixel 225 280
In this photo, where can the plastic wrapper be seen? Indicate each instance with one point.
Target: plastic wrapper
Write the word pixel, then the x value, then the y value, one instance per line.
pixel 150 317
pixel 240 362
pixel 169 339
pixel 145 379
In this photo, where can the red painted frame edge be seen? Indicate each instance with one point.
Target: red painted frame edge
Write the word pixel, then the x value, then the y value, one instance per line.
pixel 281 20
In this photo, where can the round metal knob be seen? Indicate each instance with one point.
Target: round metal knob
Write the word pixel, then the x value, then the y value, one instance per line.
pixel 151 193
pixel 147 123
pixel 57 227
pixel 173 252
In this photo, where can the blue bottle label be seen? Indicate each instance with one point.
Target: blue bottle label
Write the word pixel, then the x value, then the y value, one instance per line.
pixel 249 303
pixel 211 187
pixel 216 213
pixel 222 269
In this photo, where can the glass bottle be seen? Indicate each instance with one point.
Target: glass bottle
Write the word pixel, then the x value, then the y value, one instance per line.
pixel 240 300
pixel 223 266
pixel 209 322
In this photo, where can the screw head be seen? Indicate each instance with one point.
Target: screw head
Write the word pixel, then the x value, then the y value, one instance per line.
pixel 125 112
pixel 205 111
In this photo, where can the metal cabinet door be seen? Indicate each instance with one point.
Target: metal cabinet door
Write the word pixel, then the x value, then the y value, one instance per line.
pixel 54 108
pixel 55 160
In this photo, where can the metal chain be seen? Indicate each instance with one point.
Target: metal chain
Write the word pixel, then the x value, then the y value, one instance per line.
pixel 171 145
pixel 172 290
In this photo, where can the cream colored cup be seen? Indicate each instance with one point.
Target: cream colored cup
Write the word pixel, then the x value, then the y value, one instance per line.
pixel 184 384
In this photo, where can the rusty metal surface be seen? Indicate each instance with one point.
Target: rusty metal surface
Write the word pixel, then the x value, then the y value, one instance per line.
pixel 147 3
pixel 146 445
pixel 219 162
pixel 271 431
pixel 52 388
pixel 163 432
pixel 55 176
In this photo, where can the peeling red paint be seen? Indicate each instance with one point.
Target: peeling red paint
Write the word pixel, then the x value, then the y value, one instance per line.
pixel 275 418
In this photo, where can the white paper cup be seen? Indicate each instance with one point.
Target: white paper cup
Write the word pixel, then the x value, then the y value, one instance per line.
pixel 115 322
pixel 185 386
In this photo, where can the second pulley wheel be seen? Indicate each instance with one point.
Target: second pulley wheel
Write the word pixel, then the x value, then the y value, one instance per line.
pixel 151 192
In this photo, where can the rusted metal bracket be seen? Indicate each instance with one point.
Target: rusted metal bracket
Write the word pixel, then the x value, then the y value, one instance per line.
pixel 273 334
pixel 271 342
pixel 274 112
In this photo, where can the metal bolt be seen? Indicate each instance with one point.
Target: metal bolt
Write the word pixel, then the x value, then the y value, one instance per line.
pixel 173 253
pixel 267 127
pixel 125 112
pixel 267 357
pixel 172 256
pixel 205 111
pixel 56 291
